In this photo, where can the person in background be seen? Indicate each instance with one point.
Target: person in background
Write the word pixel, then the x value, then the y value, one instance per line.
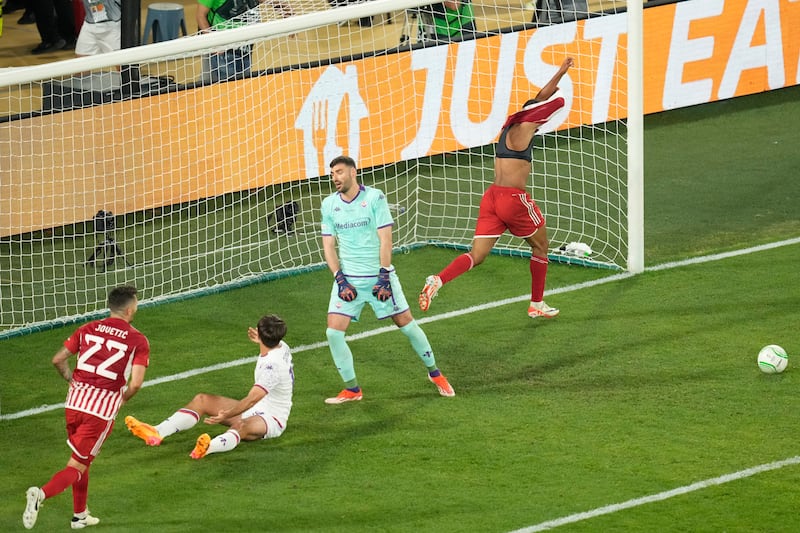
pixel 101 31
pixel 55 21
pixel 28 17
pixel 214 15
pixel 364 22
pixel 448 21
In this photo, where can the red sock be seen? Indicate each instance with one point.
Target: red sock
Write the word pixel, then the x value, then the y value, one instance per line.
pixel 60 481
pixel 538 276
pixel 80 492
pixel 458 266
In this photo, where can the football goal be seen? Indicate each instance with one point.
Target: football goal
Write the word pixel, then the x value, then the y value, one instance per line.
pixel 155 166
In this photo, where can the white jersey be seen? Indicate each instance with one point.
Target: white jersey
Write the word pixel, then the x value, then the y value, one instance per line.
pixel 275 374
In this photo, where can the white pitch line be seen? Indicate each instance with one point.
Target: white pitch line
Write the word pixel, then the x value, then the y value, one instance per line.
pixel 165 379
pixel 434 318
pixel 725 255
pixel 608 509
pixel 550 524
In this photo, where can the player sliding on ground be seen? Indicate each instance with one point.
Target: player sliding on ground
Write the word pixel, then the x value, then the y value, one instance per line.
pixel 506 205
pixel 262 414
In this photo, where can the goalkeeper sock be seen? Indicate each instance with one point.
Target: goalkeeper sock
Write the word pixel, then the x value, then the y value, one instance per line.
pixel 181 420
pixel 224 442
pixel 419 341
pixel 342 356
pixel 538 276
pixel 458 266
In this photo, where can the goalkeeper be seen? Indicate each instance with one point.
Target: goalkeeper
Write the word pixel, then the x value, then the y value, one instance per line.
pixel 506 205
pixel 357 219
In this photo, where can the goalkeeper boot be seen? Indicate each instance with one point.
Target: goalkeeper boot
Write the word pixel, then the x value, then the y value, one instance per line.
pixel 345 396
pixel 538 309
pixel 429 291
pixel 201 446
pixel 84 519
pixel 146 432
pixel 445 389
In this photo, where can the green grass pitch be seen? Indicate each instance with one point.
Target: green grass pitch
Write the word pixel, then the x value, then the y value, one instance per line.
pixel 643 385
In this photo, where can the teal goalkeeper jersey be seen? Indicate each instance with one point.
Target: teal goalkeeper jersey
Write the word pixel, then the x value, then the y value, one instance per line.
pixel 355 225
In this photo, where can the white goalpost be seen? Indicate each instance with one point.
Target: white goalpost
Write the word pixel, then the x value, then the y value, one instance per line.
pixel 635 138
pixel 139 167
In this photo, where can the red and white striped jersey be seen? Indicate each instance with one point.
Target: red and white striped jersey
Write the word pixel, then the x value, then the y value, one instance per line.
pixel 107 350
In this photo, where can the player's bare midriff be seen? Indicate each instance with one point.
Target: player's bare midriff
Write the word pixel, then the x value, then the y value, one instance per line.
pixel 510 172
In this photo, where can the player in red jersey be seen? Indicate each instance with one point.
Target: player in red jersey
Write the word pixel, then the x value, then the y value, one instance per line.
pixel 506 205
pixel 112 359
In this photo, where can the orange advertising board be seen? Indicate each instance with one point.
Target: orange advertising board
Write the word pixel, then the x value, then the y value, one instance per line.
pixel 702 51
pixel 162 150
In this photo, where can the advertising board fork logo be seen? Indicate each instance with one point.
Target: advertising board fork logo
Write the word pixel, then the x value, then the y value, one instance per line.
pixel 321 110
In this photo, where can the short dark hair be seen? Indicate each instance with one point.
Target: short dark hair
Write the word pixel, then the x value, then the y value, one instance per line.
pixel 271 330
pixel 343 160
pixel 121 297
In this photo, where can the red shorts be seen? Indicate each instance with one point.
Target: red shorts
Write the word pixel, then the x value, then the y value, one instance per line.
pixel 507 208
pixel 86 434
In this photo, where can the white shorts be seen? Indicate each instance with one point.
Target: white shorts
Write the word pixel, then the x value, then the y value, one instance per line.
pixel 99 38
pixel 274 426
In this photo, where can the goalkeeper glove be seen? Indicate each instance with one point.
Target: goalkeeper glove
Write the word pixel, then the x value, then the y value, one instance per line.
pixel 382 290
pixel 346 291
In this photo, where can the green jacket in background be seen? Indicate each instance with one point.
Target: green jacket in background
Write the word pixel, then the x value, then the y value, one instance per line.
pixel 448 23
pixel 222 11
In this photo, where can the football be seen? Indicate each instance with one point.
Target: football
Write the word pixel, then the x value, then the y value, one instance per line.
pixel 772 359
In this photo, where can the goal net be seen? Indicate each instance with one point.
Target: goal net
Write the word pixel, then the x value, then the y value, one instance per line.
pixel 156 167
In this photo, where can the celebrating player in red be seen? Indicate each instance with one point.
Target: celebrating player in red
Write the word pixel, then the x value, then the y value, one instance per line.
pixel 506 205
pixel 111 355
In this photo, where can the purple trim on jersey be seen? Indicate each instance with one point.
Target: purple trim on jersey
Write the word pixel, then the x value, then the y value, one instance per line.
pixel 260 387
pixel 360 190
pixel 390 224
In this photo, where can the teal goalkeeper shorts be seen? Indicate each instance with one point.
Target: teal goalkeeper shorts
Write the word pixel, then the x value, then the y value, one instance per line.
pixel 363 284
